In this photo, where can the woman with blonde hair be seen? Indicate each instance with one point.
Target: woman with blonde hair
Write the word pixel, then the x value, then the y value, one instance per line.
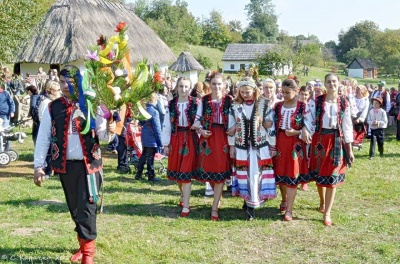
pixel 252 147
pixel 51 92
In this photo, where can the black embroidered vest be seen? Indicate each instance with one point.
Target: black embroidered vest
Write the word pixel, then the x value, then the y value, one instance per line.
pixel 174 113
pixel 60 112
pixel 208 111
pixel 296 119
pixel 319 112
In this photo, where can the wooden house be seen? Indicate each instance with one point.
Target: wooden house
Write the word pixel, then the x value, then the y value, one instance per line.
pixel 362 68
pixel 240 56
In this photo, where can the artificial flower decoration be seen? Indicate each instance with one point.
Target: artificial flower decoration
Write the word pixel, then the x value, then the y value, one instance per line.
pixel 109 80
pixel 120 27
pixel 92 55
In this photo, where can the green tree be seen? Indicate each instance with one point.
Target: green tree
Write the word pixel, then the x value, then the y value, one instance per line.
pixel 18 20
pixel 261 14
pixel 204 61
pixel 361 35
pixel 172 23
pixel 356 52
pixel 215 32
pixel 253 35
pixel 274 60
pixel 386 50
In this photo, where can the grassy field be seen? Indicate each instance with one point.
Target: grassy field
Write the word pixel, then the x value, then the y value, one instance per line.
pixel 140 223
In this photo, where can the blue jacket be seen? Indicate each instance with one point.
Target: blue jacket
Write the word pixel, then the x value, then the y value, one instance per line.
pixel 7 105
pixel 151 129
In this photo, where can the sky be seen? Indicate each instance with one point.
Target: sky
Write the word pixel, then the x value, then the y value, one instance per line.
pixel 323 18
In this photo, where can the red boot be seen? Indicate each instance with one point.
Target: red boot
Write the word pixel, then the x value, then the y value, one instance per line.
pixel 88 248
pixel 78 254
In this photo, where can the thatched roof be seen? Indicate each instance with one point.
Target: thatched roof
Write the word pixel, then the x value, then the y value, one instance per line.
pixel 364 63
pixel 186 62
pixel 245 52
pixel 70 26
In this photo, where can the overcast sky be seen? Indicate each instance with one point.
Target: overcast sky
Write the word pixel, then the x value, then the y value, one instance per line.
pixel 318 17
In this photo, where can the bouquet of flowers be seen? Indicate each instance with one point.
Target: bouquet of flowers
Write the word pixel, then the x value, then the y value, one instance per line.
pixel 109 82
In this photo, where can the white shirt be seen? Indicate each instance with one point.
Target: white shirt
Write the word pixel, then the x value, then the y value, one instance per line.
pixel 182 121
pixel 362 105
pixel 330 120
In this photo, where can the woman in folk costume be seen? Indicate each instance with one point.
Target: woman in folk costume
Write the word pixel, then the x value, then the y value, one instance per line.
pixel 212 122
pixel 332 136
pixel 362 105
pixel 290 162
pixel 180 142
pixel 74 136
pixel 251 147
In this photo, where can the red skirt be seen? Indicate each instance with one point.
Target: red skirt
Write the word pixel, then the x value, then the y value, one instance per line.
pixel 358 134
pixel 182 159
pixel 322 168
pixel 214 164
pixel 290 162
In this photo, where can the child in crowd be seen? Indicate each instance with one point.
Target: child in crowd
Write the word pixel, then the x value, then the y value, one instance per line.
pixel 377 121
pixel 151 140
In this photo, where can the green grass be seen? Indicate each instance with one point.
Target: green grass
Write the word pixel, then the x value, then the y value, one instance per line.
pixel 140 223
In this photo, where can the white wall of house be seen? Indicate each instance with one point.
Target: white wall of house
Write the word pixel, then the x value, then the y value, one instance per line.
pixel 356 73
pixel 192 75
pixel 235 66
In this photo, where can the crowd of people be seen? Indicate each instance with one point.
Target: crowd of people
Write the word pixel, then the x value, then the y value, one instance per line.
pixel 253 135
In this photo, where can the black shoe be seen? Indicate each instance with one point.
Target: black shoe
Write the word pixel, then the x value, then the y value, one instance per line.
pixel 123 169
pixel 153 179
pixel 250 214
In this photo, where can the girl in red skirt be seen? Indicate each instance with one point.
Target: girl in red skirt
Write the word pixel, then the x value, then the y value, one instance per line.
pixel 212 122
pixel 331 149
pixel 180 142
pixel 290 162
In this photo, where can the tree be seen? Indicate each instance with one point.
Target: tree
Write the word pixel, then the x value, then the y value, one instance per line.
pixel 361 35
pixel 215 33
pixel 18 20
pixel 261 14
pixel 356 53
pixel 253 35
pixel 386 50
pixel 173 23
pixel 204 61
pixel 273 60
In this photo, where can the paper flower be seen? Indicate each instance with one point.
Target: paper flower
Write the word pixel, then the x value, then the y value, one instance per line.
pixel 120 27
pixel 92 55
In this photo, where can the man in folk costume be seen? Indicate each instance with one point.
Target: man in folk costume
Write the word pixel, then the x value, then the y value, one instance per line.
pixel 74 138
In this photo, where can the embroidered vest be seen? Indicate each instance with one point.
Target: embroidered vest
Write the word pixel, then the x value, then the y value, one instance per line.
pixel 174 113
pixel 250 130
pixel 319 112
pixel 208 111
pixel 60 112
pixel 296 119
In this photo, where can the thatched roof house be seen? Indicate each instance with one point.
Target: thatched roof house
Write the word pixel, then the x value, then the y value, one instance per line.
pixel 187 66
pixel 70 26
pixel 240 56
pixel 186 62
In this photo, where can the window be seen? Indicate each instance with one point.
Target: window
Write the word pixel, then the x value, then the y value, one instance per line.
pixel 243 66
pixel 232 66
